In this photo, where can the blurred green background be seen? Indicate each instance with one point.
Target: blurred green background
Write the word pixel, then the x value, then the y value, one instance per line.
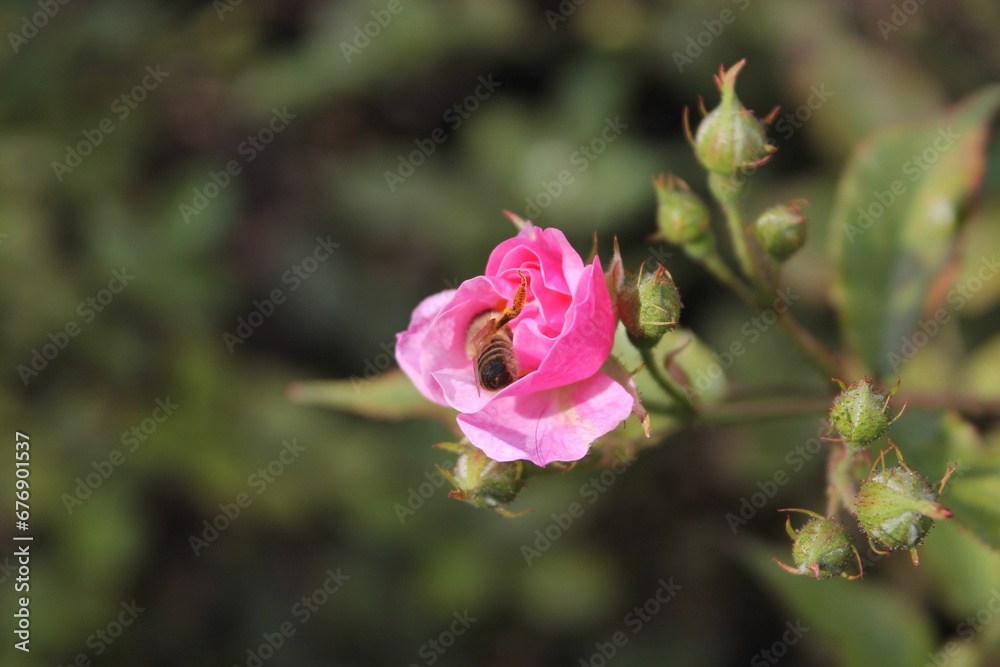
pixel 142 196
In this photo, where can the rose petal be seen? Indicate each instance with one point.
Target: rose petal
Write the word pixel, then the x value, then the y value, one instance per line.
pixel 409 343
pixel 546 249
pixel 444 360
pixel 583 345
pixel 555 425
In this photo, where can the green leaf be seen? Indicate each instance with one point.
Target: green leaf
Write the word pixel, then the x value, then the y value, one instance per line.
pixel 961 568
pixel 391 395
pixel 975 500
pixel 900 202
pixel 973 493
pixel 864 623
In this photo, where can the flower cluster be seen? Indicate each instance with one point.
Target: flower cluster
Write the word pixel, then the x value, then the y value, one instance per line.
pixel 895 507
pixel 523 352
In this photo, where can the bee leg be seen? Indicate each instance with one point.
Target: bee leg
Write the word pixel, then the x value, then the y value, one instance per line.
pixel 515 308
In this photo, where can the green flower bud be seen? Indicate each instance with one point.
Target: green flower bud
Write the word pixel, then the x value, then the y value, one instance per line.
pixel 681 216
pixel 821 548
pixel 860 413
pixel 897 507
pixel 781 230
pixel 649 306
pixel 481 481
pixel 730 138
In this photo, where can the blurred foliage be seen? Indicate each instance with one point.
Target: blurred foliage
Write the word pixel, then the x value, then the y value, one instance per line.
pixel 323 176
pixel 901 203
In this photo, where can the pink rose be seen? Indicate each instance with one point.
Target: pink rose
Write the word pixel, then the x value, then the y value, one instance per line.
pixel 560 399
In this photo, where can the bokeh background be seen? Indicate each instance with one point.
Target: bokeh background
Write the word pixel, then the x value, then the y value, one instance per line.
pixel 356 106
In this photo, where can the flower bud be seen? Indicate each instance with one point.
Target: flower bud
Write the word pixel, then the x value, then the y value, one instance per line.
pixel 860 413
pixel 897 507
pixel 649 306
pixel 681 215
pixel 781 230
pixel 730 138
pixel 483 482
pixel 821 548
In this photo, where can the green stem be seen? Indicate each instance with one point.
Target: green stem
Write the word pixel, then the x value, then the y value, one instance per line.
pixel 668 384
pixel 761 272
pixel 741 244
pixel 842 480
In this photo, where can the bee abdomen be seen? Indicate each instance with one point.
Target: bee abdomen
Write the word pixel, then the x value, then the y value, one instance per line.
pixel 496 364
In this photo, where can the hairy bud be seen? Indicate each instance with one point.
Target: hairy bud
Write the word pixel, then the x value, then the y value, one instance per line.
pixel 860 413
pixel 481 481
pixel 821 548
pixel 897 506
pixel 649 306
pixel 730 138
pixel 781 230
pixel 681 215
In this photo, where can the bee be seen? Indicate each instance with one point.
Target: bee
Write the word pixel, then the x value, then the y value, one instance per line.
pixel 490 343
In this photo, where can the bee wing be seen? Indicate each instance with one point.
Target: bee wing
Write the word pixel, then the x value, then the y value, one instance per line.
pixel 480 327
